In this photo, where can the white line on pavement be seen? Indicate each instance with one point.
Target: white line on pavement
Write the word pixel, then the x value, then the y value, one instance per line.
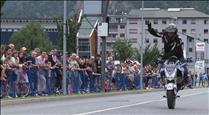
pixel 141 103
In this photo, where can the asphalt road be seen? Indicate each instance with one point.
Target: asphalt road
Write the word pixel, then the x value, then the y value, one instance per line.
pixel 191 102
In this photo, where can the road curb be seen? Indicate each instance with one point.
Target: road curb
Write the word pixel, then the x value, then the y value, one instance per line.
pixel 79 96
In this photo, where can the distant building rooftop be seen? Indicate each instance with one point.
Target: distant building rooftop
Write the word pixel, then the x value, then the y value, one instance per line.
pixel 168 13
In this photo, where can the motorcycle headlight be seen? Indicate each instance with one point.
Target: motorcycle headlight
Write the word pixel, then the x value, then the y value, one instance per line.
pixel 170 69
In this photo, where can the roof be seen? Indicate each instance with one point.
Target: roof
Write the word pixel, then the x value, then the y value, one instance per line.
pixel 86 26
pixel 168 13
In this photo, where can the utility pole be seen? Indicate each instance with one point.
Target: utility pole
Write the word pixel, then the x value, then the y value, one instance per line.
pixel 64 48
pixel 142 45
pixel 104 17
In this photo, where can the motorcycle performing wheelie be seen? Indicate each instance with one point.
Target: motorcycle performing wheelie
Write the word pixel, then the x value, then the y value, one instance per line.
pixel 173 69
pixel 172 78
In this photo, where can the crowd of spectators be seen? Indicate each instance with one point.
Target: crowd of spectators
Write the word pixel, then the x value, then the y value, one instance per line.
pixel 39 73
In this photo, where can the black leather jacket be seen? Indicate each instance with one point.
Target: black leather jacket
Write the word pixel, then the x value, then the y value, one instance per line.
pixel 172 47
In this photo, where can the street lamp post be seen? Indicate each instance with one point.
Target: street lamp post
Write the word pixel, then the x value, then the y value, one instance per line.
pixel 141 47
pixel 104 16
pixel 64 47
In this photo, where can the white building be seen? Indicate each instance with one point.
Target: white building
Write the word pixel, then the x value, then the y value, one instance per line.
pixel 188 20
pixel 117 30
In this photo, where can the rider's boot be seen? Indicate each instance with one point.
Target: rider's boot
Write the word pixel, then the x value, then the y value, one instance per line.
pixel 186 82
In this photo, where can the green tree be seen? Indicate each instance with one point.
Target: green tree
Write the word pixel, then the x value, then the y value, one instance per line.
pixel 150 55
pixel 72 29
pixel 2 4
pixel 31 36
pixel 122 49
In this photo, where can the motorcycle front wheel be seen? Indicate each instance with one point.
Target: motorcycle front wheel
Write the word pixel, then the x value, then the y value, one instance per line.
pixel 171 99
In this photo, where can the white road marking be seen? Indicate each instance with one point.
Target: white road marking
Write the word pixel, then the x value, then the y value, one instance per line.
pixel 141 103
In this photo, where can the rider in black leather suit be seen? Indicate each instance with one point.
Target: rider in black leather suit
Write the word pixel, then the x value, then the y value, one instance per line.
pixel 173 45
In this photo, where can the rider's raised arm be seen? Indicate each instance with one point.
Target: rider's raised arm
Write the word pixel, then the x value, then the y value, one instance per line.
pixel 153 31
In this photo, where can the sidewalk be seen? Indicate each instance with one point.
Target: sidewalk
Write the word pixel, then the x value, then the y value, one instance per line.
pixel 7 102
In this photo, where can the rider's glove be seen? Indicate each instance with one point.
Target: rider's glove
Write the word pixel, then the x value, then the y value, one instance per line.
pixel 148 23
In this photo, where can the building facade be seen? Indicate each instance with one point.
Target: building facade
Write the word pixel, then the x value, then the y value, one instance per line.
pixel 11 25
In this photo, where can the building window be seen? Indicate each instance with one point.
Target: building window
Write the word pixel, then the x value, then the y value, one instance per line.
pixel 190 50
pixel 193 31
pixel 206 21
pixel 206 40
pixel 122 26
pixel 193 21
pixel 184 21
pixel 122 35
pixel 133 31
pixel 155 21
pixel 155 40
pixel 9 30
pixel 114 35
pixel 147 40
pixel 113 27
pixel 164 22
pixel 119 20
pixel 15 30
pixel 109 44
pixel 83 45
pixel 133 40
pixel 205 31
pixel 184 31
pixel 133 21
pixel 190 40
pixel 3 30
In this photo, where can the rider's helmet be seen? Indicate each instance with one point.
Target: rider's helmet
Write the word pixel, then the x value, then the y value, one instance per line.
pixel 171 32
pixel 172 28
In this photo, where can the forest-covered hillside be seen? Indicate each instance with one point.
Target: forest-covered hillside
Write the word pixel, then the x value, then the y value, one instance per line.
pixel 40 9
